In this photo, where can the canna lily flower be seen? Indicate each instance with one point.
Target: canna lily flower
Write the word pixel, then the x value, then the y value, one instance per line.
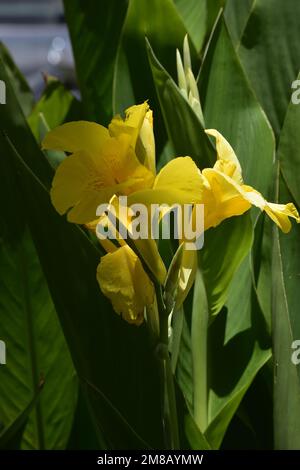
pixel 120 274
pixel 103 162
pixel 107 163
pixel 225 195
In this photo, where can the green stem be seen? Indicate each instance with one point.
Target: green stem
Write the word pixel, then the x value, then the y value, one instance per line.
pixel 199 333
pixel 168 397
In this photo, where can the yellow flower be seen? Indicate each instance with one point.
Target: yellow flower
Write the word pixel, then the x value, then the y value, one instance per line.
pixel 107 163
pixel 103 162
pixel 123 280
pixel 225 195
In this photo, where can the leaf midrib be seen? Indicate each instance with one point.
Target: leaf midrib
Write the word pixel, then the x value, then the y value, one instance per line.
pixel 23 265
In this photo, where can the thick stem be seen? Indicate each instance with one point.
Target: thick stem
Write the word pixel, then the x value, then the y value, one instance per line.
pixel 168 397
pixel 199 333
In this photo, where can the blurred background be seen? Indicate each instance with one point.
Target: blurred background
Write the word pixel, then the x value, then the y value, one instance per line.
pixel 37 37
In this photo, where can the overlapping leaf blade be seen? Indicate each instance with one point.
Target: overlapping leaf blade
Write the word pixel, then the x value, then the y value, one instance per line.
pixel 184 127
pixel 106 351
pixel 95 29
pixel 29 326
pixel 269 50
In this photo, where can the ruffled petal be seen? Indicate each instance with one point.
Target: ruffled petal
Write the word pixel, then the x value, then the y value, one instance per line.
pixel 279 213
pixel 222 198
pixel 131 125
pixel 75 136
pixel 145 247
pixel 178 182
pixel 123 280
pixel 227 162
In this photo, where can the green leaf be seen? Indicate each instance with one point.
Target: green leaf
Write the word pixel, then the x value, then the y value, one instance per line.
pixel 11 436
pixel 95 29
pixel 160 22
pixel 233 365
pixel 285 287
pixel 184 369
pixel 194 15
pixel 225 91
pixel 19 83
pixel 108 353
pixel 272 64
pixel 237 14
pixel 286 329
pixel 84 434
pixel 262 265
pixel 57 105
pixel 219 262
pixel 35 344
pixel 183 126
pixel 147 19
pixel 196 439
pixel 288 151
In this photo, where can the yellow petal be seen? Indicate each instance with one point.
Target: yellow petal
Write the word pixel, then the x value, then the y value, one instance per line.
pixel 178 182
pixel 227 162
pixel 131 125
pixel 145 146
pixel 84 180
pixel 146 248
pixel 82 186
pixel 123 280
pixel 279 213
pixel 75 136
pixel 70 181
pixel 222 198
pixel 124 167
pixel 187 274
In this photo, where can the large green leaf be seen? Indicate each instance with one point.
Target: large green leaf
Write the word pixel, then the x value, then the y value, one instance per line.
pixel 29 326
pixel 183 126
pixel 270 50
pixel 226 92
pixel 109 355
pixel 285 299
pixel 286 329
pixel 11 435
pixel 95 29
pixel 288 151
pixel 219 262
pixel 160 22
pixel 21 87
pixel 194 15
pixel 237 14
pixel 84 434
pixel 238 347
